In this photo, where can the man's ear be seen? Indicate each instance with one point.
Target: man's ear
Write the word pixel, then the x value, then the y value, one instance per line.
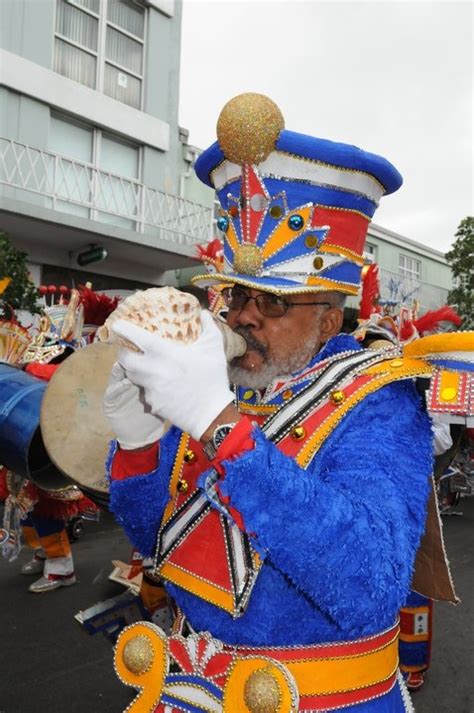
pixel 331 323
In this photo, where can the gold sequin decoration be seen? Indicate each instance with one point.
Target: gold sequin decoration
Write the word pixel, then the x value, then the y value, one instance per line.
pixel 182 485
pixel 318 262
pixel 311 241
pixel 248 259
pixel 262 692
pixel 287 395
pixel 338 397
pixel 248 127
pixel 276 211
pixel 138 654
pixel 248 394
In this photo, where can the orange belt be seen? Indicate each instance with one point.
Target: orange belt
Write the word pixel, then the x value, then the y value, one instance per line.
pixel 218 677
pixel 331 676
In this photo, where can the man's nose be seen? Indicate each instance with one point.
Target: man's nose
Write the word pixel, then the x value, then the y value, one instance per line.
pixel 249 315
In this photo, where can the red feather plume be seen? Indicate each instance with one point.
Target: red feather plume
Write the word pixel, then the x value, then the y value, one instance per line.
pixel 211 250
pixel 429 321
pixel 370 291
pixel 97 306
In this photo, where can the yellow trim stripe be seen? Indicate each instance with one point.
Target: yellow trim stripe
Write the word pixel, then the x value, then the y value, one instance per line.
pixel 314 442
pixel 449 380
pixel 399 366
pixel 255 409
pixel 231 236
pixel 202 589
pixel 324 677
pixel 283 235
pixel 209 280
pixel 175 474
pixel 322 282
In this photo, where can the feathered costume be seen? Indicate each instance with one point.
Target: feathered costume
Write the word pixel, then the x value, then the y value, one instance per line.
pixel 290 554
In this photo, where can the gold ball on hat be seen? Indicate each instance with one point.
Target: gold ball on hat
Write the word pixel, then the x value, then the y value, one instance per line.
pixel 248 127
pixel 262 692
pixel 248 259
pixel 138 654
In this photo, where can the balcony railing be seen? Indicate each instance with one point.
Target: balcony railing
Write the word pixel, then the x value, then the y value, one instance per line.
pixel 403 290
pixel 100 195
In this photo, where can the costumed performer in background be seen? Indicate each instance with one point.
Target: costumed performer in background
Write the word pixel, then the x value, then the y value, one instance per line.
pixel 284 517
pixel 44 514
pixel 376 330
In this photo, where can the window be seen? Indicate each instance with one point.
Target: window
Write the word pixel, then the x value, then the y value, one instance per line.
pixel 100 43
pixel 370 253
pixel 409 267
pixel 96 173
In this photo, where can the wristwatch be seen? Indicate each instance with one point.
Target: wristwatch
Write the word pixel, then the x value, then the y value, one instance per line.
pixel 217 438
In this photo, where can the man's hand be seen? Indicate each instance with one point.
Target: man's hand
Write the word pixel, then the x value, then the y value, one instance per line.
pixel 186 384
pixel 127 413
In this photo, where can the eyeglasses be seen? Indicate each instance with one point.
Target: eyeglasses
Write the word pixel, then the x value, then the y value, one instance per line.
pixel 268 304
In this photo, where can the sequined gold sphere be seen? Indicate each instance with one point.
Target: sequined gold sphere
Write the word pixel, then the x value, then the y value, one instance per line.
pixel 248 259
pixel 248 127
pixel 138 654
pixel 262 693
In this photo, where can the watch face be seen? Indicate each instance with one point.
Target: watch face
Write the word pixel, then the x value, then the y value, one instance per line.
pixel 220 434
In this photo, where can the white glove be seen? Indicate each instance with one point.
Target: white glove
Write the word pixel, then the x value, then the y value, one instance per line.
pixel 442 440
pixel 129 416
pixel 186 384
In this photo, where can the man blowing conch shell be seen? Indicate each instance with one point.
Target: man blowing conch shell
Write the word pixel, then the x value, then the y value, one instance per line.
pixel 285 505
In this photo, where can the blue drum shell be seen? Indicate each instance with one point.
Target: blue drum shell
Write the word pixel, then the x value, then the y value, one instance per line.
pixel 21 445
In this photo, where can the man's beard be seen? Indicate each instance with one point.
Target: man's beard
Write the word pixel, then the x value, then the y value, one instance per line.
pixel 272 367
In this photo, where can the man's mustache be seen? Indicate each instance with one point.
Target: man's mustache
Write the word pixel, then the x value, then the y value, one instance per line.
pixel 252 342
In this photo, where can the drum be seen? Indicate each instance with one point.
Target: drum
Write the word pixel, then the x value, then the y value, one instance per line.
pixel 74 429
pixel 21 446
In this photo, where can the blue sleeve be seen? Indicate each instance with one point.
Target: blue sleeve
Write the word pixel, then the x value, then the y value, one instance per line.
pixel 346 530
pixel 138 502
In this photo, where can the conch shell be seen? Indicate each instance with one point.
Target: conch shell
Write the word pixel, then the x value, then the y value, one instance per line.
pixel 234 344
pixel 169 313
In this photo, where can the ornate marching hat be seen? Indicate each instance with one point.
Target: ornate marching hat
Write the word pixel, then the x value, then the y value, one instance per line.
pixel 295 209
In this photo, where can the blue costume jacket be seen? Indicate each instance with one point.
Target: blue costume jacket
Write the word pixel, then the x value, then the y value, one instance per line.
pixel 339 538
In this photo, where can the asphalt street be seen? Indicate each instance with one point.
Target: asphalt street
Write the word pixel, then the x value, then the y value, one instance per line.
pixel 49 664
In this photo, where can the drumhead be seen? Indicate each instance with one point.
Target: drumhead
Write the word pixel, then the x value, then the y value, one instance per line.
pixel 74 428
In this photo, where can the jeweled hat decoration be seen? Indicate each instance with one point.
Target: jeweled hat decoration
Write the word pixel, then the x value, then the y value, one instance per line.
pixel 294 209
